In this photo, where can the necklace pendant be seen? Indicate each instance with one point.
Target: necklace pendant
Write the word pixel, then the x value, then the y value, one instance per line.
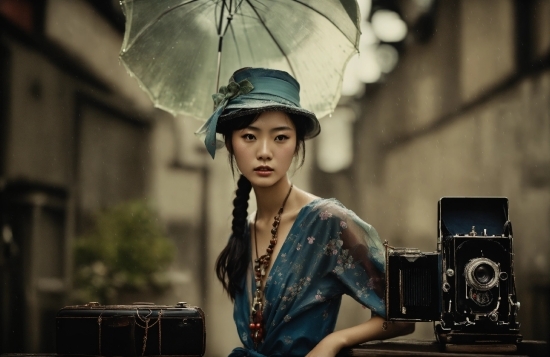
pixel 256 324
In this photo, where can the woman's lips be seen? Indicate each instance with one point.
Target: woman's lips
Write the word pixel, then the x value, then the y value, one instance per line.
pixel 263 171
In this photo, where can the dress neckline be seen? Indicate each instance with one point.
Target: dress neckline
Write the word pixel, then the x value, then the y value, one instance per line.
pixel 252 282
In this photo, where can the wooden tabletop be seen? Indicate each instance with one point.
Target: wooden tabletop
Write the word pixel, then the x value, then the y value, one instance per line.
pixel 432 348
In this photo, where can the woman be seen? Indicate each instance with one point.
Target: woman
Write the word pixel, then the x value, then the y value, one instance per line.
pixel 287 265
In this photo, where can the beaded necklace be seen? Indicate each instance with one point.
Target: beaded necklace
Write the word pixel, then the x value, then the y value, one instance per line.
pixel 261 265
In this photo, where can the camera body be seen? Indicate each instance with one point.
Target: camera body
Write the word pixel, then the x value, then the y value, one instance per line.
pixel 467 285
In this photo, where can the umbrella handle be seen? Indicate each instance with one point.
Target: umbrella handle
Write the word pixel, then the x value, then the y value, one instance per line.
pixel 218 71
pixel 220 43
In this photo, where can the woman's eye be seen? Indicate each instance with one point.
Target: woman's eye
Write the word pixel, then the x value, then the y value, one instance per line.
pixel 281 138
pixel 248 137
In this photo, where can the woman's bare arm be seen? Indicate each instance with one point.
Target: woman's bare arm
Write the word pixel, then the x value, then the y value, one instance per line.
pixel 370 330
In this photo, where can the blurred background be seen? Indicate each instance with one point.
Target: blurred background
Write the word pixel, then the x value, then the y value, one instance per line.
pixel 105 198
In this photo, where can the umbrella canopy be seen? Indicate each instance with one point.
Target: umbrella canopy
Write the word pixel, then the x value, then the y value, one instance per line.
pixel 178 49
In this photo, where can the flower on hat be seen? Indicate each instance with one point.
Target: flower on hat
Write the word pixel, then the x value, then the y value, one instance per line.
pixel 232 90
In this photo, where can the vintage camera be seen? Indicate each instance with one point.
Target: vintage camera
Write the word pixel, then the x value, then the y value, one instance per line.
pixel 467 286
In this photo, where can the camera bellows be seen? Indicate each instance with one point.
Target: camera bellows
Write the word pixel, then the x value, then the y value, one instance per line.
pixel 412 285
pixel 417 288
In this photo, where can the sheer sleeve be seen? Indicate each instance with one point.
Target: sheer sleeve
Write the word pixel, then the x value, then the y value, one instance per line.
pixel 356 256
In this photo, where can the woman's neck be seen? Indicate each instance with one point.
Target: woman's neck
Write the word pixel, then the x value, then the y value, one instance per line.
pixel 270 199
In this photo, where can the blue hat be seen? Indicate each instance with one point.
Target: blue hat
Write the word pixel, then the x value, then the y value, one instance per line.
pixel 256 90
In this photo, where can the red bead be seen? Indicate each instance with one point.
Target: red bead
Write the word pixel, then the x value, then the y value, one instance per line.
pixel 269 250
pixel 274 231
pixel 252 326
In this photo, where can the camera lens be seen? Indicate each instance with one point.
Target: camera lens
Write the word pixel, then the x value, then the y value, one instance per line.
pixel 484 273
pixel 481 274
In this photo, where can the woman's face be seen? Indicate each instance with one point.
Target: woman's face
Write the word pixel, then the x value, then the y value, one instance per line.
pixel 264 150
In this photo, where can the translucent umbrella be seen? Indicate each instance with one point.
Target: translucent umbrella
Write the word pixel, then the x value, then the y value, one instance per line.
pixel 179 49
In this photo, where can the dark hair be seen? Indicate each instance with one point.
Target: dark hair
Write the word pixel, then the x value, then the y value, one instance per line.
pixel 233 261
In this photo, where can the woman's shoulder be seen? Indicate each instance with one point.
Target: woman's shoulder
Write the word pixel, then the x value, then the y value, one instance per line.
pixel 330 205
pixel 330 209
pixel 327 209
pixel 323 210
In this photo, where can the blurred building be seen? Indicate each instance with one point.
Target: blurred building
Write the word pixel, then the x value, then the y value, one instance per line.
pixel 464 111
pixel 77 135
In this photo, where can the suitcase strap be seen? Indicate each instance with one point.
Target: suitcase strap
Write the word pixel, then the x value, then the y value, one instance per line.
pixel 146 320
pixel 99 334
pixel 99 319
pixel 146 327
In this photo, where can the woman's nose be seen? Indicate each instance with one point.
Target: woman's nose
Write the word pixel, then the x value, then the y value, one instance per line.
pixel 264 150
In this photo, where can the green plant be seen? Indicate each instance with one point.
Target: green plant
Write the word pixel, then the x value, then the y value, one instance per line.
pixel 127 250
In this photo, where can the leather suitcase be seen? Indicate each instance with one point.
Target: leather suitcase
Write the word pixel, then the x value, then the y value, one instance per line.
pixel 141 329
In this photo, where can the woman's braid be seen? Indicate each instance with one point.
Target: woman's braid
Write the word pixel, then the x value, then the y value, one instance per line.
pixel 240 206
pixel 233 262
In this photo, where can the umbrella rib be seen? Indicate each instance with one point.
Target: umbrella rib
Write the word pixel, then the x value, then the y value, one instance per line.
pixel 273 37
pixel 236 45
pixel 326 17
pixel 221 19
pixel 238 5
pixel 165 12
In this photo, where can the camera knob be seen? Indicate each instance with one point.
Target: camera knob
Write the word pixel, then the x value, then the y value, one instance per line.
pixel 493 316
pixel 450 272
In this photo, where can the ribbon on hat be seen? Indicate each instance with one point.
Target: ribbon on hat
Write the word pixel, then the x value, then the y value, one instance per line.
pixel 221 99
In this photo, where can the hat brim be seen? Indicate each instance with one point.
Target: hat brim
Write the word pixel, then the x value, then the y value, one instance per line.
pixel 233 111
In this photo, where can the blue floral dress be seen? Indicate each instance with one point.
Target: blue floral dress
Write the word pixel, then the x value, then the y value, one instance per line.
pixel 329 251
